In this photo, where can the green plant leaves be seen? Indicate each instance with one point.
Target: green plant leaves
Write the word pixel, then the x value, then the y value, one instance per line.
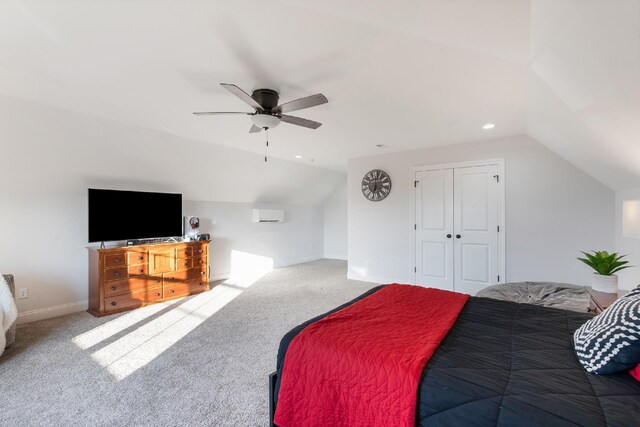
pixel 604 263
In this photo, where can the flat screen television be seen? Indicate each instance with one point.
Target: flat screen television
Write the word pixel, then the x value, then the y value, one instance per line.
pixel 128 215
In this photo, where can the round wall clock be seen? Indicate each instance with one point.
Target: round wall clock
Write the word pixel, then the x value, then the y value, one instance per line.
pixel 376 185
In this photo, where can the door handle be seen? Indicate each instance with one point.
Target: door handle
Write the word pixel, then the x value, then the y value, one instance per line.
pixel 448 236
pixel 458 236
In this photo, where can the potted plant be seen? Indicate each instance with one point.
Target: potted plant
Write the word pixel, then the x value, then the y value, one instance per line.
pixel 605 265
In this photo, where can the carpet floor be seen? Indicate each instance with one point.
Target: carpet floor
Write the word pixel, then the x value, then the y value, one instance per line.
pixel 198 361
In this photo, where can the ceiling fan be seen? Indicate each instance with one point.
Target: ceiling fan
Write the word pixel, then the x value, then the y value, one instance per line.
pixel 268 114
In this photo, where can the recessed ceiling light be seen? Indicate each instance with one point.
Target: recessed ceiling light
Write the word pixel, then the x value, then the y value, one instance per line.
pixel 298 156
pixel 488 126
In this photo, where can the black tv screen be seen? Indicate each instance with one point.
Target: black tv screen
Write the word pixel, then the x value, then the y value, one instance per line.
pixel 127 215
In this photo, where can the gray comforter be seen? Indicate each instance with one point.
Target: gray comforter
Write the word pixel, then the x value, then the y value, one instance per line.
pixel 548 294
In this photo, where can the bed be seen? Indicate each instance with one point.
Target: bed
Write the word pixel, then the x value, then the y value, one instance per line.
pixel 506 364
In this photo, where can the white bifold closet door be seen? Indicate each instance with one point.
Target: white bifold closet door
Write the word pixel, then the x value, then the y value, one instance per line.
pixel 456 230
pixel 433 228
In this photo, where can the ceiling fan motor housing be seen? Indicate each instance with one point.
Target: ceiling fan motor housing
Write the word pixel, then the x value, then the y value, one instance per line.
pixel 266 97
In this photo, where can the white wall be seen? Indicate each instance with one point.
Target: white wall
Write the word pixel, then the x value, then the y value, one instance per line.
pixel 553 210
pixel 335 224
pixel 48 158
pixel 299 238
pixel 628 235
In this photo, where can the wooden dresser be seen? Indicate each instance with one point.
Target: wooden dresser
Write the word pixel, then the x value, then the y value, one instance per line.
pixel 124 278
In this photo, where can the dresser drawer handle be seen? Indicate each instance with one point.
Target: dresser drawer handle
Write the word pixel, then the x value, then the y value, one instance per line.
pixel 171 291
pixel 113 303
pixel 202 272
pixel 157 294
pixel 157 280
pixel 170 278
pixel 116 260
pixel 201 284
pixel 113 288
pixel 200 261
pixel 140 258
pixel 140 270
pixel 199 251
pixel 116 273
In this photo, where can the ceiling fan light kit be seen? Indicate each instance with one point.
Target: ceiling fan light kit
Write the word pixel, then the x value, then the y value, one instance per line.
pixel 265 121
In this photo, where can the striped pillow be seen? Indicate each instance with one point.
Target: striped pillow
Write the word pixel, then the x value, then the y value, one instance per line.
pixel 610 342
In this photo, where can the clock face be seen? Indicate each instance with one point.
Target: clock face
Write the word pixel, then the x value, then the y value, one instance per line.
pixel 376 185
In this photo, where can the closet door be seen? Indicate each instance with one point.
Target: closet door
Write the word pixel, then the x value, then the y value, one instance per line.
pixel 434 228
pixel 475 225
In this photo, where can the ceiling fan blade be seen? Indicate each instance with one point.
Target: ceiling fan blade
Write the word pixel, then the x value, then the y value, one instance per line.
pixel 255 129
pixel 302 103
pixel 244 96
pixel 217 113
pixel 299 121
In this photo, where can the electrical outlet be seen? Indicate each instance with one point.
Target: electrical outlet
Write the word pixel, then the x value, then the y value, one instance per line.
pixel 23 293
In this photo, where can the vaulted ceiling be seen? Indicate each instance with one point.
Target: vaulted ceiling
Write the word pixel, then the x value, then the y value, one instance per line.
pixel 403 75
pixel 584 85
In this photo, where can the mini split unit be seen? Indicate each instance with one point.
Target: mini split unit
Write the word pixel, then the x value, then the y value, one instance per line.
pixel 267 215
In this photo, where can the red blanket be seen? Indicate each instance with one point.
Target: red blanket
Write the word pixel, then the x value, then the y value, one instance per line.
pixel 361 365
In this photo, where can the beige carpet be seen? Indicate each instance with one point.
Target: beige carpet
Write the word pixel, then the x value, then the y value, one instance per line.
pixel 202 360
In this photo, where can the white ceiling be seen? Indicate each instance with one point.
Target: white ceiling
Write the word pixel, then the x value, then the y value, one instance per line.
pixel 407 75
pixel 584 85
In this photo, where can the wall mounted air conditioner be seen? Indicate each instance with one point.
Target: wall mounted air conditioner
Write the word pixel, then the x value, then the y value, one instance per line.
pixel 267 215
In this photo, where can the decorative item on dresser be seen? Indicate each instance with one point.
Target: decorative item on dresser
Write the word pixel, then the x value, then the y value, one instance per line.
pixel 124 278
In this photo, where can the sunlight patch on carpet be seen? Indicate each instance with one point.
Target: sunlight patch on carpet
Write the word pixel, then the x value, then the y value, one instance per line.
pixel 138 348
pixel 106 331
pixel 141 346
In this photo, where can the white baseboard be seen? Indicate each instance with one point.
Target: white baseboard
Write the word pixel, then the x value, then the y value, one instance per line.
pixel 338 257
pixel 219 276
pixel 49 312
pixel 282 264
pixel 299 261
pixel 373 279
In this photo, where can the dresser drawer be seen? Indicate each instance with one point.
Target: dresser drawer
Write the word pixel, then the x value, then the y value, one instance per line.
pixel 138 270
pixel 114 260
pixel 178 289
pixel 200 262
pixel 184 264
pixel 184 252
pixel 200 250
pixel 190 274
pixel 131 285
pixel 138 258
pixel 116 273
pixel 135 299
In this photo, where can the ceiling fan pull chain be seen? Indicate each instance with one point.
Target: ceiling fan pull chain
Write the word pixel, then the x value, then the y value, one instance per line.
pixel 267 146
